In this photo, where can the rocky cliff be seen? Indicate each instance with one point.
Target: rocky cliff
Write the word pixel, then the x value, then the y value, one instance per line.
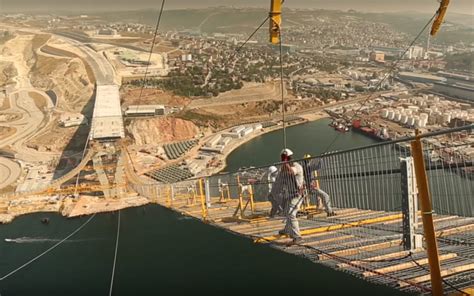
pixel 161 130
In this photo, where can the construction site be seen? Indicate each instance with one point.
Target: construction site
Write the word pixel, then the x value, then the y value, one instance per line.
pixel 75 141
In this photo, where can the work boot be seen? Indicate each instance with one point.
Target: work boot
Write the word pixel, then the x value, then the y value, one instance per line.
pixel 331 214
pixel 297 240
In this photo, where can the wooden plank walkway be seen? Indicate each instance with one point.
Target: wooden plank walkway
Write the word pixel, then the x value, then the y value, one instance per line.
pixel 365 243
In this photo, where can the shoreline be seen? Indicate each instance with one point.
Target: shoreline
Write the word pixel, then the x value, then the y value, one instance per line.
pixel 86 205
pixel 228 151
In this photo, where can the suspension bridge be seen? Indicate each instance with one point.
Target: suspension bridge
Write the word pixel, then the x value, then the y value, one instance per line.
pixel 404 208
pixel 377 233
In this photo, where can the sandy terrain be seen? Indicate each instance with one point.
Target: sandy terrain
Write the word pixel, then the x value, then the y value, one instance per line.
pixel 251 92
pixel 161 130
pixel 151 96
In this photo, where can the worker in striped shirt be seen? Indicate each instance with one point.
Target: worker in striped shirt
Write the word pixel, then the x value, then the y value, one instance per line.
pixel 290 184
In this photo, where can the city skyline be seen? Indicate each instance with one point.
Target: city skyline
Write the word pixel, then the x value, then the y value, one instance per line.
pixel 459 6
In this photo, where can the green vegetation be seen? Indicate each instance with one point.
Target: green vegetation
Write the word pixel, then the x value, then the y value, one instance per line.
pixel 463 61
pixel 200 119
pixel 188 84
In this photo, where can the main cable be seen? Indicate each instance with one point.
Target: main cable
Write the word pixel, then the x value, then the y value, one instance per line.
pixel 48 250
pixel 158 21
pixel 249 38
pixel 115 255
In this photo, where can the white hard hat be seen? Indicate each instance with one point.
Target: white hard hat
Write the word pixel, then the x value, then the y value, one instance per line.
pixel 272 169
pixel 286 152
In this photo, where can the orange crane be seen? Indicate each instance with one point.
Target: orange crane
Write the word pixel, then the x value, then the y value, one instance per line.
pixel 440 14
pixel 275 21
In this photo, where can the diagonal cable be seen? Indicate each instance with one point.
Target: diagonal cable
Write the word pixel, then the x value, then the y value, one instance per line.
pixel 158 21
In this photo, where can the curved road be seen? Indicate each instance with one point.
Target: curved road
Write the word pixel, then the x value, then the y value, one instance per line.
pixel 13 169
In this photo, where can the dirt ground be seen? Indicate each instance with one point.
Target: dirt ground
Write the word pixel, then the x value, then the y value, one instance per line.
pixel 67 77
pixel 161 130
pixel 7 72
pixel 56 138
pixel 131 96
pixel 6 132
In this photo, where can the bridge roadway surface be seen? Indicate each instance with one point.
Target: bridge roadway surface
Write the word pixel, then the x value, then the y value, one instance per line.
pixel 107 121
pixel 365 243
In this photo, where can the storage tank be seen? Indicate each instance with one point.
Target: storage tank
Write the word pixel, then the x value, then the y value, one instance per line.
pixel 432 120
pixel 391 114
pixel 398 117
pixel 411 121
pixel 424 116
pixel 446 118
pixel 417 123
pixel 384 113
pixel 423 122
pixel 404 119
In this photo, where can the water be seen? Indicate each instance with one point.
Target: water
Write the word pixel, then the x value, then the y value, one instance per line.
pixel 313 138
pixel 162 252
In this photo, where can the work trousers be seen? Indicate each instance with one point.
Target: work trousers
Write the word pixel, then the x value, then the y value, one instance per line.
pixel 324 197
pixel 292 227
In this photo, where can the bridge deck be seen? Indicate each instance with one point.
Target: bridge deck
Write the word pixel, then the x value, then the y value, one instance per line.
pixel 365 243
pixel 107 121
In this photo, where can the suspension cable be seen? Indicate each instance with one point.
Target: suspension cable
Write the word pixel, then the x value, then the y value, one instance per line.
pixel 282 90
pixel 442 279
pixel 48 250
pixel 115 255
pixel 158 21
pixel 387 74
pixel 249 38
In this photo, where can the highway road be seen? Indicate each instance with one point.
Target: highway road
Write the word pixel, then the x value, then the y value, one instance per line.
pixel 33 120
pixel 103 71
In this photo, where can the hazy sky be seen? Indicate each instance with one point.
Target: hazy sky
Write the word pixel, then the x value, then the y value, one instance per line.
pixel 461 6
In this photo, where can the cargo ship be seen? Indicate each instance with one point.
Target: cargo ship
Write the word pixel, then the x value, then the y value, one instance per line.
pixel 378 134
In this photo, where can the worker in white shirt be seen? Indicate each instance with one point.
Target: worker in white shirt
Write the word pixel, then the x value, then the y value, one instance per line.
pixel 290 181
pixel 275 198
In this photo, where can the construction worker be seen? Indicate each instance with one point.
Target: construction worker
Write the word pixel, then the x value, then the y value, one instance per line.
pixel 310 166
pixel 274 197
pixel 290 183
pixel 272 175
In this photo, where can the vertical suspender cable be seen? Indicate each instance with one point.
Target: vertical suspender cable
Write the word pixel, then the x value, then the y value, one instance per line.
pixel 282 90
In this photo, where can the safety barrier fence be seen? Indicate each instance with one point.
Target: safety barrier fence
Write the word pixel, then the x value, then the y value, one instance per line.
pixel 376 194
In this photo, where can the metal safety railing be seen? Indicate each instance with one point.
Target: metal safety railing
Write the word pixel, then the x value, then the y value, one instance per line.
pixel 382 208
